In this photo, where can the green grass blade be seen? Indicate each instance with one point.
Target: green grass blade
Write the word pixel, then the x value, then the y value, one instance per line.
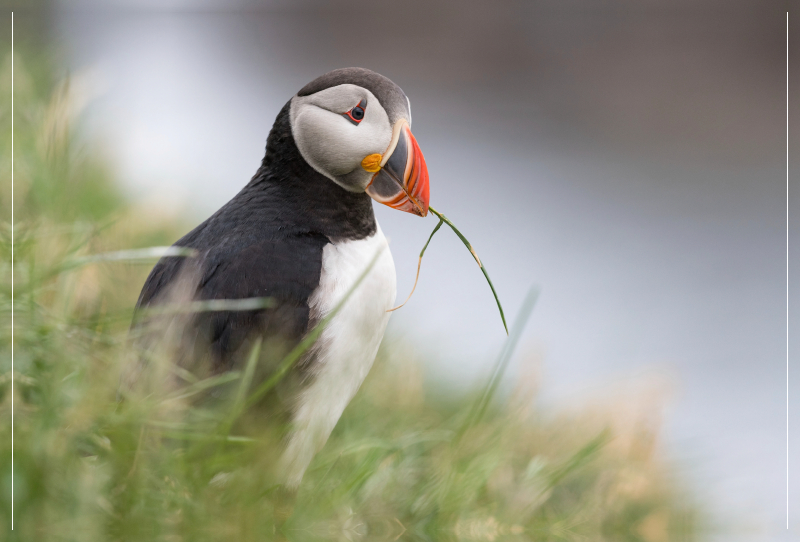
pixel 208 305
pixel 579 458
pixel 474 255
pixel 238 405
pixel 204 437
pixel 249 371
pixel 133 255
pixel 203 385
pixel 500 366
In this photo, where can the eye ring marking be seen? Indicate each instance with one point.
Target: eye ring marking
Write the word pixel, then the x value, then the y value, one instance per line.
pixel 356 114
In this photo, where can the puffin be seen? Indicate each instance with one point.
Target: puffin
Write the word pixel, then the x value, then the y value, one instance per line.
pixel 300 234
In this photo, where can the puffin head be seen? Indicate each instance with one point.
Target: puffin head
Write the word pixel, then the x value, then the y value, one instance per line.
pixel 353 126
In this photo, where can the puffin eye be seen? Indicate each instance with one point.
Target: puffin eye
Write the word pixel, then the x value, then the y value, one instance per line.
pixel 356 115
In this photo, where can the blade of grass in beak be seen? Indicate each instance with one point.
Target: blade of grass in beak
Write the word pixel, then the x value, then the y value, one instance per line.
pixel 419 264
pixel 474 255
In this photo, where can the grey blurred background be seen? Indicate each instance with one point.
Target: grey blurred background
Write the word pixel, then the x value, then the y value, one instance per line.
pixel 626 156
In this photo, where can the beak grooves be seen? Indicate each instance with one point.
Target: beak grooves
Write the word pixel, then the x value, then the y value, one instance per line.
pixel 402 181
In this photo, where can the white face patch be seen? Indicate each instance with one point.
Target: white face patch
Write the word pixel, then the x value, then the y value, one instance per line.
pixel 333 145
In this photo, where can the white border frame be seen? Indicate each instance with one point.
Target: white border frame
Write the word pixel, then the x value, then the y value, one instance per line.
pixel 12 270
pixel 787 270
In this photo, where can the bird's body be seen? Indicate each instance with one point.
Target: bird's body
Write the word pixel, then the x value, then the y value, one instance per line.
pixel 300 235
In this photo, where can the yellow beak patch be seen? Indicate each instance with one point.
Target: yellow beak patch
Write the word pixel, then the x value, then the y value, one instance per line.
pixel 372 163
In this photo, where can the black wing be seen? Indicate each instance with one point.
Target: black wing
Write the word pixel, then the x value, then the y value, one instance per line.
pixel 284 268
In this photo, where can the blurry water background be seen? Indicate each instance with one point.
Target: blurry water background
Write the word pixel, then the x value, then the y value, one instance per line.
pixel 626 156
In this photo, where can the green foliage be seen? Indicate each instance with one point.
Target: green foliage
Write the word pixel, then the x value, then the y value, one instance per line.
pixel 405 462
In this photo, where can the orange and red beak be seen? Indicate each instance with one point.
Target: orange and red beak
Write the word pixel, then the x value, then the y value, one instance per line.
pixel 401 176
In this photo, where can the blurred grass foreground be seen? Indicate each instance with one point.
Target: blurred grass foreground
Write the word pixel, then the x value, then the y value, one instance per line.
pixel 401 464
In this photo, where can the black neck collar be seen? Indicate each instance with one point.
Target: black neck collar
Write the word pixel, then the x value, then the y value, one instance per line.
pixel 306 201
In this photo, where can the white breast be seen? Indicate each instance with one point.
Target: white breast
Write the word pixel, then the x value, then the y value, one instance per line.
pixel 348 344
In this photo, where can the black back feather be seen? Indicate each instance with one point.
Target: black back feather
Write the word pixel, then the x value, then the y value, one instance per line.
pixel 266 242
